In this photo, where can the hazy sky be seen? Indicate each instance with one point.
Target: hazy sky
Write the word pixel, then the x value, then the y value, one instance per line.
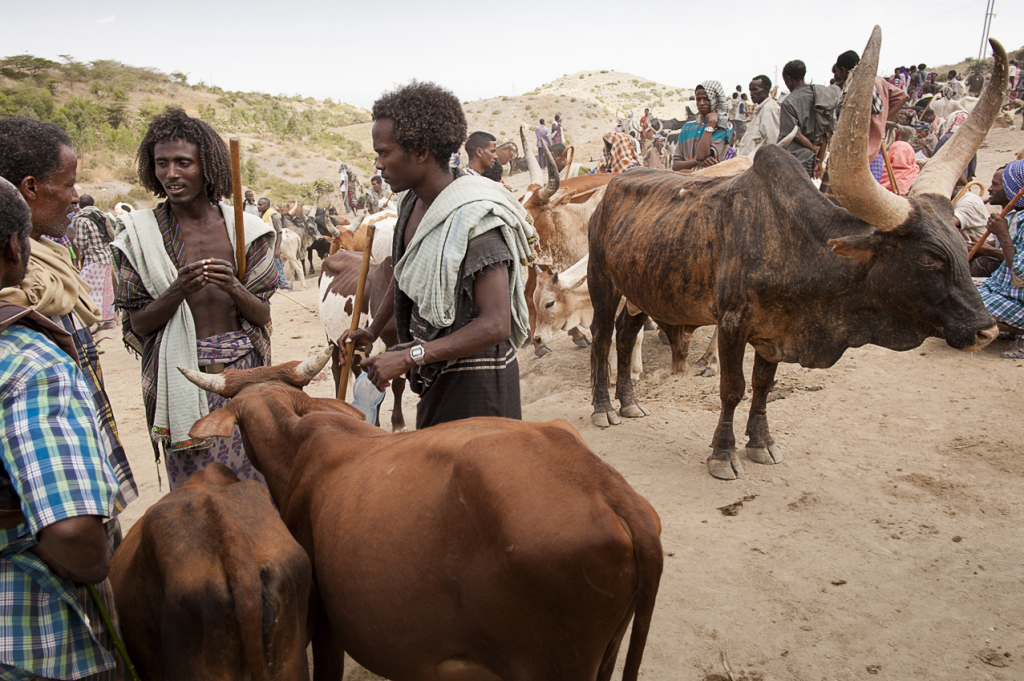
pixel 352 52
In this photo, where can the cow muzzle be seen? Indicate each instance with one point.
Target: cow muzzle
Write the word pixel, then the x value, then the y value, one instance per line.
pixel 982 338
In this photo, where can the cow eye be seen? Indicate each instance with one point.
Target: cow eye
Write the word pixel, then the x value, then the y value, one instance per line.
pixel 929 262
pixel 550 304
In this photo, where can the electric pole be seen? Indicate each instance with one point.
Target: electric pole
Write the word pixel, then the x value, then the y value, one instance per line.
pixel 986 27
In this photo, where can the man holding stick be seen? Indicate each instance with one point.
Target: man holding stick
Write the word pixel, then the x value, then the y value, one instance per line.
pixel 456 296
pixel 1003 292
pixel 177 284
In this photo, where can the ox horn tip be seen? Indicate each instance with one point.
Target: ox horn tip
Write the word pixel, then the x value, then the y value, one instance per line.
pixel 313 365
pixel 213 383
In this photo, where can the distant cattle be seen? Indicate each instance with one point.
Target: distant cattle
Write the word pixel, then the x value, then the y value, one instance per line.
pixel 480 549
pixel 291 254
pixel 210 584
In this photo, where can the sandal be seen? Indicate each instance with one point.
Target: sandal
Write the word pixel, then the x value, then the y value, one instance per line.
pixel 1017 352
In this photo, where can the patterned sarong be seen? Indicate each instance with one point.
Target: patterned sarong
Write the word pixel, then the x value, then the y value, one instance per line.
pixel 100 278
pixel 236 350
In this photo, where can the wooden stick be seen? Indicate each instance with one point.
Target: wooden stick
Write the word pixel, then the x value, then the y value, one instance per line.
pixel 966 189
pixel 357 312
pixel 984 236
pixel 236 199
pixel 282 293
pixel 888 168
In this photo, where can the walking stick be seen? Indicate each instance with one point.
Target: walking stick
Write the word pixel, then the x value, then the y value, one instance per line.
pixel 888 168
pixel 109 625
pixel 984 236
pixel 357 312
pixel 236 199
pixel 966 189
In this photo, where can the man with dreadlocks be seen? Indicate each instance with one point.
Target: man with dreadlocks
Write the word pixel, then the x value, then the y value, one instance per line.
pixel 456 295
pixel 177 285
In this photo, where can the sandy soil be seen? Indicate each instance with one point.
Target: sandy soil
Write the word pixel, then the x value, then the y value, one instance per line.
pixel 887 543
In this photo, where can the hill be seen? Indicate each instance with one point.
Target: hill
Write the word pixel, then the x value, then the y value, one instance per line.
pixel 287 142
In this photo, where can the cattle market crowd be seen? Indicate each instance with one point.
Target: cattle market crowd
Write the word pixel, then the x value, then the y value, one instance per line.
pixel 459 274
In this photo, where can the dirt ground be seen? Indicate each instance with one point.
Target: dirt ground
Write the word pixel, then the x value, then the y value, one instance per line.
pixel 887 543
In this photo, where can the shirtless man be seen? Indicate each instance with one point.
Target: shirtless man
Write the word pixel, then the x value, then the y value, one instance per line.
pixel 177 282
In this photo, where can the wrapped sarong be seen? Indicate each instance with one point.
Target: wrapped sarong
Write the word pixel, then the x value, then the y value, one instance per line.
pixel 235 351
pixel 100 278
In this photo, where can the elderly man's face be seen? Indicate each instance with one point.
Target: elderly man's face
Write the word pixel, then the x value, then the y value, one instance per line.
pixel 758 93
pixel 51 199
pixel 262 205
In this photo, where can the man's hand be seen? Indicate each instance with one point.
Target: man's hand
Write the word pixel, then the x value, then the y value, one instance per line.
pixel 387 366
pixel 361 338
pixel 191 278
pixel 708 162
pixel 220 273
pixel 1000 227
pixel 819 170
pixel 713 118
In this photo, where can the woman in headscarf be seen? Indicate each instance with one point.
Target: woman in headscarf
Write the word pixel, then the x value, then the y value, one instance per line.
pixel 904 167
pixel 619 153
pixel 704 142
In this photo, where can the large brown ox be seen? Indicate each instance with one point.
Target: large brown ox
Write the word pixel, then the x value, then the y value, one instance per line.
pixel 209 584
pixel 777 265
pixel 486 549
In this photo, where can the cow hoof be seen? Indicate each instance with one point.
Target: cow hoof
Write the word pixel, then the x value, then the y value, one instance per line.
pixel 542 350
pixel 701 362
pixel 603 419
pixel 581 342
pixel 725 469
pixel 633 411
pixel 709 373
pixel 767 455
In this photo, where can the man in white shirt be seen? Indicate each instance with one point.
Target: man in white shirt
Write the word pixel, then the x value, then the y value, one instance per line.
pixel 764 124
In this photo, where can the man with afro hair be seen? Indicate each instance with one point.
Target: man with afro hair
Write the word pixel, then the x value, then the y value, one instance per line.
pixel 456 295
pixel 177 287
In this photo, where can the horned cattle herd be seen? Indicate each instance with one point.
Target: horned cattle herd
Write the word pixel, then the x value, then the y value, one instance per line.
pixel 494 549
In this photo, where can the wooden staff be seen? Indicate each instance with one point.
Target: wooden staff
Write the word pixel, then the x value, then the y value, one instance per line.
pixel 236 199
pixel 1005 210
pixel 357 312
pixel 888 168
pixel 966 189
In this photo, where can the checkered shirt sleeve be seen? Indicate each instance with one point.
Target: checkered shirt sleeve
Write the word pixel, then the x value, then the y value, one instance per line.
pixel 52 457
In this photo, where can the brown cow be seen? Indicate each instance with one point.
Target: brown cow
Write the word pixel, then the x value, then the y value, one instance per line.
pixel 486 548
pixel 210 584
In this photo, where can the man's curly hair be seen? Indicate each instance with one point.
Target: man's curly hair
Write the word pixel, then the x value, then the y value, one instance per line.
pixel 175 124
pixel 427 117
pixel 29 148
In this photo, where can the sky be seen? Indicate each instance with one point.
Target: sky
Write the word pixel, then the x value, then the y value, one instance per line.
pixel 352 52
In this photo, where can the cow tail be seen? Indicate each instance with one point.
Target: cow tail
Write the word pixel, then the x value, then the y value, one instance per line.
pixel 247 591
pixel 650 560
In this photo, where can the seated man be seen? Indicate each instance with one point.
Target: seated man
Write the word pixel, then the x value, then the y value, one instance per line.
pixel 456 295
pixel 56 487
pixel 620 154
pixel 1003 292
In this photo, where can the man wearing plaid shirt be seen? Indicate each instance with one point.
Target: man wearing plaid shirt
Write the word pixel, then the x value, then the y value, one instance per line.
pixel 1003 292
pixel 56 487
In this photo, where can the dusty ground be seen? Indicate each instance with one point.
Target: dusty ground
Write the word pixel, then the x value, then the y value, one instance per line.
pixel 887 543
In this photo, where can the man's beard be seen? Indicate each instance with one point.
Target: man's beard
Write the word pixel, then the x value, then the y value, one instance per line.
pixel 184 202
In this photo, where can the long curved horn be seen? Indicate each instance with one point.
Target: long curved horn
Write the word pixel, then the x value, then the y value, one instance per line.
pixel 536 176
pixel 312 366
pixel 852 181
pixel 939 175
pixel 655 124
pixel 211 383
pixel 552 186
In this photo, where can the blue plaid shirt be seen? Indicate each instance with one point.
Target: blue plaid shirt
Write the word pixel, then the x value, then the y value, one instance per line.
pixel 1004 300
pixel 52 457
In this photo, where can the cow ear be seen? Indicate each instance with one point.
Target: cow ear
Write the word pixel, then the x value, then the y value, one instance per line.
pixel 859 248
pixel 220 423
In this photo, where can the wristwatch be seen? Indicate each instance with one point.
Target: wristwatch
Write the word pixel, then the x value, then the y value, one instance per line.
pixel 417 352
pixel 710 129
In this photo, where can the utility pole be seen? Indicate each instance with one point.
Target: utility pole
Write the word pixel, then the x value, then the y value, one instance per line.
pixel 986 27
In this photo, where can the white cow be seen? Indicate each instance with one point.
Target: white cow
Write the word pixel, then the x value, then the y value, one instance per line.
pixel 291 246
